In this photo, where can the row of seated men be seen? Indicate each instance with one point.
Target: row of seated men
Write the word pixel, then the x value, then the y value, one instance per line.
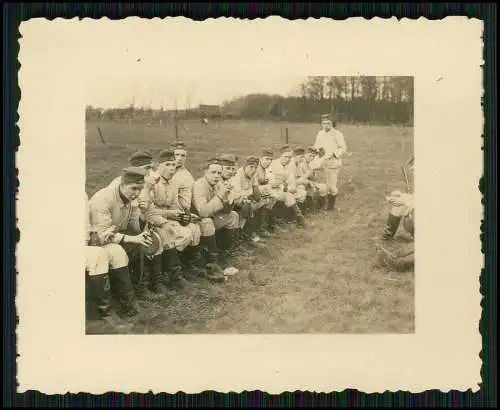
pixel 155 228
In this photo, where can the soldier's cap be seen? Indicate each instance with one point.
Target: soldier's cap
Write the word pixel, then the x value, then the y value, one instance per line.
pixel 140 158
pixel 166 155
pixel 266 152
pixel 299 151
pixel 227 160
pixel 212 161
pixel 326 117
pixel 178 145
pixel 252 160
pixel 133 175
pixel 285 148
pixel 311 150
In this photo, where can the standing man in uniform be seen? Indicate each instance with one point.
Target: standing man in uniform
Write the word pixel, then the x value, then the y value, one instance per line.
pixel 115 217
pixel 332 142
pixel 282 183
pixel 212 203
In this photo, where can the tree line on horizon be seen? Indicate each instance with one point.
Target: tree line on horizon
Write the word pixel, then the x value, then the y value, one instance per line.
pixel 380 100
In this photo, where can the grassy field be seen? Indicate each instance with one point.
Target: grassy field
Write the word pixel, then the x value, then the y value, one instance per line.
pixel 323 279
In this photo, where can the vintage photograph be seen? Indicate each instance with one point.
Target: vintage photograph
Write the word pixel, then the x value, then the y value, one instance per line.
pixel 250 202
pixel 279 204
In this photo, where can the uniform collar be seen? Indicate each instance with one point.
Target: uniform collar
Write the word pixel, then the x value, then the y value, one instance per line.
pixel 119 196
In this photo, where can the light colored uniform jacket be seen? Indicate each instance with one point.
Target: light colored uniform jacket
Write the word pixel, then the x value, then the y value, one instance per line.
pixel 335 147
pixel 107 210
pixel 206 203
pixel 184 181
pixel 280 175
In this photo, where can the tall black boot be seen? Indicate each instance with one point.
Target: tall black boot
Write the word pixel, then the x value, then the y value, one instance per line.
pixel 308 205
pixel 391 227
pixel 122 288
pixel 209 246
pixel 142 274
pixel 274 219
pixel 251 231
pixel 263 221
pixel 174 269
pixel 325 203
pixel 194 262
pixel 225 238
pixel 100 292
pixel 331 202
pixel 156 285
pixel 100 288
pixel 299 218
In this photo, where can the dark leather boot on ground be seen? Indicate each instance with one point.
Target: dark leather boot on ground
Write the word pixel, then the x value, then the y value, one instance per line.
pixel 331 202
pixel 299 217
pixel 391 227
pixel 100 288
pixel 176 279
pixel 156 285
pixel 263 218
pixel 195 263
pixel 123 290
pixel 215 272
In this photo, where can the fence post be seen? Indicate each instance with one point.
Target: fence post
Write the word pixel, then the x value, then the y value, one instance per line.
pixel 286 135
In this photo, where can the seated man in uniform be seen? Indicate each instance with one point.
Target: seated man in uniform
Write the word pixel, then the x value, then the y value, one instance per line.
pixel 183 179
pixel 212 203
pixel 301 179
pixel 157 291
pixel 268 225
pixel 115 217
pixel 316 190
pixel 401 214
pixel 246 199
pixel 175 224
pixel 229 170
pixel 100 265
pixel 282 184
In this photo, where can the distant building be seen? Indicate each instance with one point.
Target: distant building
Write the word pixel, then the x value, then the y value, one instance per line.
pixel 210 111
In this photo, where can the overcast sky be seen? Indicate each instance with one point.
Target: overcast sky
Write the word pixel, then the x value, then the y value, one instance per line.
pixel 107 92
pixel 184 61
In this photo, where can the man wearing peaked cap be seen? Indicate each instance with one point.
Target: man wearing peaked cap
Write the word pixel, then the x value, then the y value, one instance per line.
pixel 154 290
pixel 247 201
pixel 178 145
pixel 283 184
pixel 301 177
pixel 228 163
pixel 316 190
pixel 166 215
pixel 332 142
pixel 219 223
pixel 141 158
pixel 262 176
pixel 101 264
pixel 115 209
